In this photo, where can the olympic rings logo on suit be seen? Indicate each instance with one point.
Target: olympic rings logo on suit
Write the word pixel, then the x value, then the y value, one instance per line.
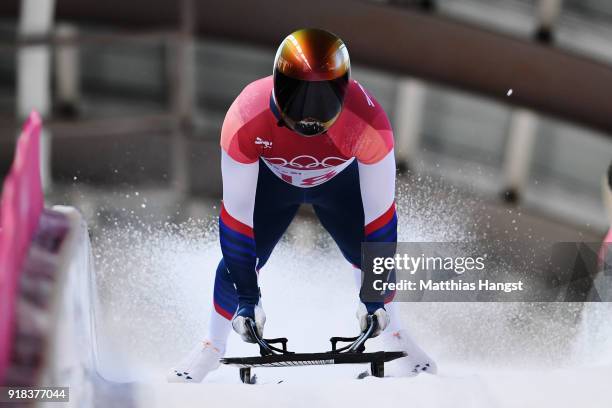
pixel 306 162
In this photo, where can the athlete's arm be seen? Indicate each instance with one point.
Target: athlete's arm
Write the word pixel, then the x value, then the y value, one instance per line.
pixel 376 161
pixel 240 169
pixel 236 229
pixel 377 183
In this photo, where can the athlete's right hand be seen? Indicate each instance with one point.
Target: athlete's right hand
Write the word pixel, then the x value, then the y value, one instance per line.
pixel 239 323
pixel 374 309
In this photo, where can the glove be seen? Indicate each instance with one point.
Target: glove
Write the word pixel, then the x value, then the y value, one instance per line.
pixel 376 309
pixel 239 322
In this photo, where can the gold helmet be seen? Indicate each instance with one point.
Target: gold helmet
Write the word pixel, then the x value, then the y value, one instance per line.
pixel 311 76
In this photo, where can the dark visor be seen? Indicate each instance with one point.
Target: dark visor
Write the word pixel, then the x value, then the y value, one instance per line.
pixel 309 101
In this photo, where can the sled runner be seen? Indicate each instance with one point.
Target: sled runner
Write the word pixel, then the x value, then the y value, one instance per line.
pixel 351 353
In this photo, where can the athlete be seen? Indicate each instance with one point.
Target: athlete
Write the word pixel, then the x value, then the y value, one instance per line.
pixel 308 134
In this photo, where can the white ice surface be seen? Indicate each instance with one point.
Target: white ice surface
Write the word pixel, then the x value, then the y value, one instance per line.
pixel 155 287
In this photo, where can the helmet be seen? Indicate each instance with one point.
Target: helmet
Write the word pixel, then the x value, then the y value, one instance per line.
pixel 311 76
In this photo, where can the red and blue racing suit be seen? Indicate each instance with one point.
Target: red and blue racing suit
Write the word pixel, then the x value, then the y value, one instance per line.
pixel 347 174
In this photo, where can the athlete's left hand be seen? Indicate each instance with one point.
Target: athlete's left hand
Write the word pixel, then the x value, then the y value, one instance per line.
pixel 375 309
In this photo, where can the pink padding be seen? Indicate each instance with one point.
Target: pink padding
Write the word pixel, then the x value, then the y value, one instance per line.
pixel 20 209
pixel 608 239
pixel 604 250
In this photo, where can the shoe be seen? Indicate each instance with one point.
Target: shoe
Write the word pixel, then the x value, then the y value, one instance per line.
pixel 416 362
pixel 203 359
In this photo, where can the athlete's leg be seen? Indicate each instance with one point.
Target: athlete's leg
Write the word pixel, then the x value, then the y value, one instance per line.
pixel 338 205
pixel 225 301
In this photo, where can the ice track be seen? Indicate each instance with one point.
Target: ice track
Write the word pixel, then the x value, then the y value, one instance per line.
pixel 153 288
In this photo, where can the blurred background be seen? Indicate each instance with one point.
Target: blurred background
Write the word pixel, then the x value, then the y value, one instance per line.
pixel 502 114
pixel 508 100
